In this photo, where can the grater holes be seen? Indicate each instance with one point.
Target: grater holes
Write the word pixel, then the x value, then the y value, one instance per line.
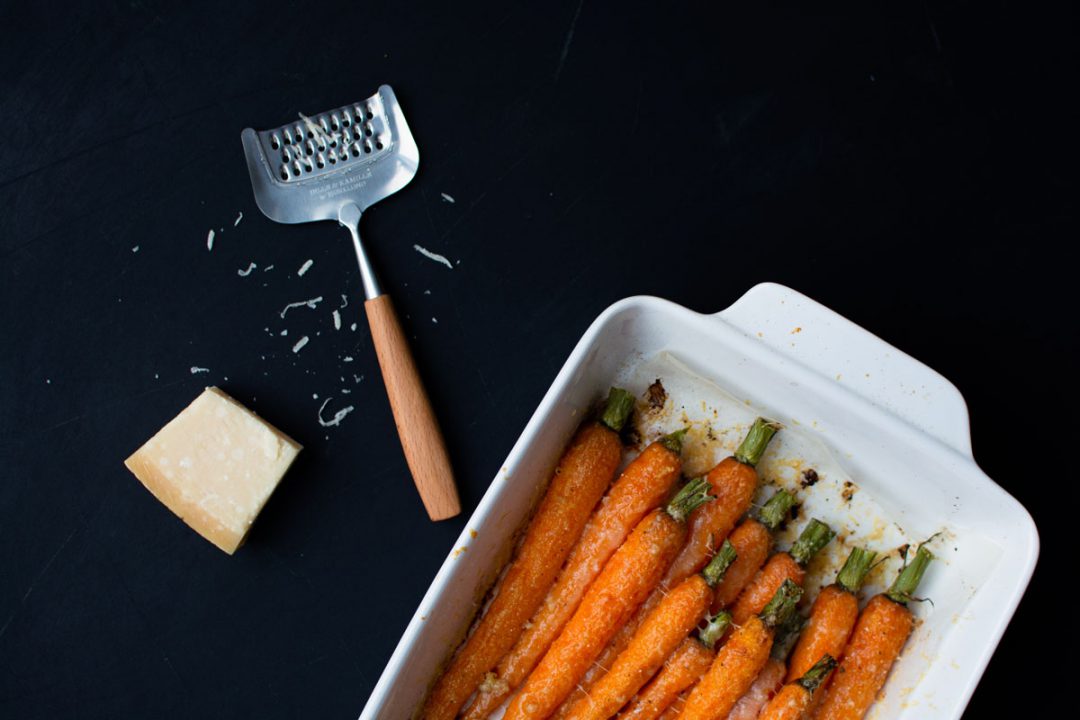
pixel 354 150
pixel 296 168
pixel 367 129
pixel 284 172
pixel 378 144
pixel 307 165
pixel 320 160
pixel 334 124
pixel 309 148
pixel 298 134
pixel 367 147
pixel 275 141
pixel 346 119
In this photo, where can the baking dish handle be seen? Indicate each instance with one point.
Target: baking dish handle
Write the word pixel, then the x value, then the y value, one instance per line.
pixel 816 337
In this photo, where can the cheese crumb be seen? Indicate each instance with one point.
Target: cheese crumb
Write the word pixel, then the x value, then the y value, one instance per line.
pixel 195 370
pixel 305 267
pixel 300 344
pixel 210 240
pixel 338 416
pixel 135 249
pixel 238 219
pixel 244 273
pixel 337 320
pixel 433 256
pixel 447 198
pixel 303 303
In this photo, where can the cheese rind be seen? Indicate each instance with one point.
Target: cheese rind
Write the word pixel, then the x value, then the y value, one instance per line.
pixel 215 466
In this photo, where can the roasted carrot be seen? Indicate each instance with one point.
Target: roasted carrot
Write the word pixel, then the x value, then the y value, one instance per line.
pixel 740 659
pixel 792 702
pixel 752 541
pixel 681 671
pixel 734 481
pixel 582 475
pixel 765 685
pixel 677 614
pixel 880 634
pixel 627 579
pixel 832 616
pixel 643 485
pixel 780 567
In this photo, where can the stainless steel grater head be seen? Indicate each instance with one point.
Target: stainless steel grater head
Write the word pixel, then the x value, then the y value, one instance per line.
pixel 309 169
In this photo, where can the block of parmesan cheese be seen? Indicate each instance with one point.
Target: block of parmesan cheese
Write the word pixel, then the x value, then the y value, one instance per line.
pixel 215 465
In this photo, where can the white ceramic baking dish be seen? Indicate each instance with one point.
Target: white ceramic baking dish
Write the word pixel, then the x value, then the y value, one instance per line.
pixel 894 424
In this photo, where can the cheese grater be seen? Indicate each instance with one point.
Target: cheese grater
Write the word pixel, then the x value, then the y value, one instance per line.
pixel 333 166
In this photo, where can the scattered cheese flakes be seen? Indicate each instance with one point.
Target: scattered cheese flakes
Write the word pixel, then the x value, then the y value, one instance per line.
pixel 300 344
pixel 338 416
pixel 48 381
pixel 305 267
pixel 238 219
pixel 427 292
pixel 210 240
pixel 433 256
pixel 347 358
pixel 337 320
pixel 135 249
pixel 447 198
pixel 346 391
pixel 353 327
pixel 344 302
pixel 303 303
pixel 245 273
pixel 155 376
pixel 195 370
pixel 268 268
pixel 314 396
pixel 435 320
pixel 358 378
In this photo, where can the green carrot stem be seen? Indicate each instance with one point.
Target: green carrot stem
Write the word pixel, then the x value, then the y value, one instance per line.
pixel 782 605
pixel 714 629
pixel 858 563
pixel 754 444
pixel 673 441
pixel 693 494
pixel 908 579
pixel 714 571
pixel 816 675
pixel 776 509
pixel 815 536
pixel 620 404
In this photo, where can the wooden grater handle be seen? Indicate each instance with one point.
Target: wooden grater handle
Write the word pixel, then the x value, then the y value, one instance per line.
pixel 425 450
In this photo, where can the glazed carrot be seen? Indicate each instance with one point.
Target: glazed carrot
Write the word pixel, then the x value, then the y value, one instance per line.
pixel 792 702
pixel 740 659
pixel 643 485
pixel 765 685
pixel 780 567
pixel 880 634
pixel 832 616
pixel 581 477
pixel 752 541
pixel 674 710
pixel 681 671
pixel 626 580
pixel 677 614
pixel 734 481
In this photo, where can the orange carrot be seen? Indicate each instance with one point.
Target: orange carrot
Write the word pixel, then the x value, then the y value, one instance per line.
pixel 674 710
pixel 740 659
pixel 765 685
pixel 626 580
pixel 781 567
pixel 792 702
pixel 880 634
pixel 676 615
pixel 832 617
pixel 734 481
pixel 752 541
pixel 641 487
pixel 682 670
pixel 580 479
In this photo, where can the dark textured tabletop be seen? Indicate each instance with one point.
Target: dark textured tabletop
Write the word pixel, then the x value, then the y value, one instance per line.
pixel 910 165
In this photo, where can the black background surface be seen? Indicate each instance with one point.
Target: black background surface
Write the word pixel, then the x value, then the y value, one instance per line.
pixel 911 165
